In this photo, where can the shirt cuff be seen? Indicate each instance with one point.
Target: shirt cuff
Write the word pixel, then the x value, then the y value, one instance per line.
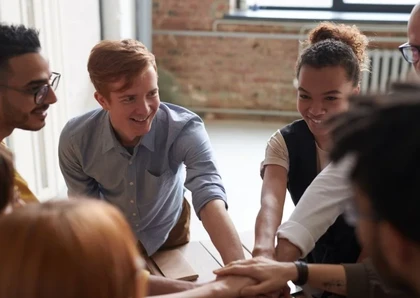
pixel 276 161
pixel 297 235
pixel 199 201
pixel 363 278
pixel 357 280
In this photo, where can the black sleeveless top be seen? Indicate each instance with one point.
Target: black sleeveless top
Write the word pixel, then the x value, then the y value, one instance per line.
pixel 339 244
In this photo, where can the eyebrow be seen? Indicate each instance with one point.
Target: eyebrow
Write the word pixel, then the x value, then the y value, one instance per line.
pixel 325 93
pixel 126 95
pixel 134 95
pixel 39 81
pixel 332 92
pixel 301 89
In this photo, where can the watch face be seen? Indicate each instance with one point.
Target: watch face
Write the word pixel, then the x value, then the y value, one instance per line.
pixel 294 289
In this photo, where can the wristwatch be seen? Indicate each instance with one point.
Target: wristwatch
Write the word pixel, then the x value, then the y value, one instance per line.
pixel 302 270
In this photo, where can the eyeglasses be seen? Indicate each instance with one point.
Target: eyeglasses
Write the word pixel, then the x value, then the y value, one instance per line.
pixel 40 94
pixel 410 52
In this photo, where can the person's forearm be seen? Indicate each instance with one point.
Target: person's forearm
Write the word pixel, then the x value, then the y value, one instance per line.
pixel 287 251
pixel 201 292
pixel 159 285
pixel 268 220
pixel 216 288
pixel 221 230
pixel 331 278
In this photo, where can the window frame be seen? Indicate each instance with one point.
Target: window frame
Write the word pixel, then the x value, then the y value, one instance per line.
pixel 340 6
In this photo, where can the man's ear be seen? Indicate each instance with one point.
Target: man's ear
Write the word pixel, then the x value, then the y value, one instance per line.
pixel 102 100
pixel 356 90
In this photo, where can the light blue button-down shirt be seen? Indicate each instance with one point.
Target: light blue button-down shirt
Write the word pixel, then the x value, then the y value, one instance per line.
pixel 148 185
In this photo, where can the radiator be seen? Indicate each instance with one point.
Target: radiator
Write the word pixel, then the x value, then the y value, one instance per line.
pixel 386 66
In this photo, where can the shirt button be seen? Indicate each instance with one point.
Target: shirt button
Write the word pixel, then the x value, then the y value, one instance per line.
pixel 134 214
pixel 137 225
pixel 131 183
pixel 132 202
pixel 130 163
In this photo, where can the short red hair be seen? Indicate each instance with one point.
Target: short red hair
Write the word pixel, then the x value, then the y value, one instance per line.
pixel 113 60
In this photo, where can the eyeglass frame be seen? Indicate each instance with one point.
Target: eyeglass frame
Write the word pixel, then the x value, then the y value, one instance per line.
pixel 46 87
pixel 407 45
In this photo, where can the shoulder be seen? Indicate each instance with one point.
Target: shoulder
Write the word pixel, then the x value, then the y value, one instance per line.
pixel 84 124
pixel 176 118
pixel 83 130
pixel 276 139
pixel 297 131
pixel 295 127
pixel 177 115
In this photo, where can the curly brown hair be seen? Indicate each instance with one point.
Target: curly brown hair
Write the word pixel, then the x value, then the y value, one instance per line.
pixel 331 44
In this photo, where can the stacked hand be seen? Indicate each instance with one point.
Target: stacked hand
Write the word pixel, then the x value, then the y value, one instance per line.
pixel 231 286
pixel 271 275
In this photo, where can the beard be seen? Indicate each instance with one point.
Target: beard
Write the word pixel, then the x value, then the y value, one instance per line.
pixel 389 275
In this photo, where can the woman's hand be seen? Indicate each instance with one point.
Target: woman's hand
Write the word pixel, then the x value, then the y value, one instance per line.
pixel 272 276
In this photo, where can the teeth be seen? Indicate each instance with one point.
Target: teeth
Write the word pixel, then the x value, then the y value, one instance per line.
pixel 316 121
pixel 139 120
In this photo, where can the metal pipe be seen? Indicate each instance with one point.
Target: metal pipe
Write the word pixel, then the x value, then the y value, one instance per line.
pixel 298 25
pixel 256 35
pixel 256 23
pixel 227 34
pixel 144 22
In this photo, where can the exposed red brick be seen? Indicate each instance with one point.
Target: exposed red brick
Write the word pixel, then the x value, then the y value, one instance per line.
pixel 250 73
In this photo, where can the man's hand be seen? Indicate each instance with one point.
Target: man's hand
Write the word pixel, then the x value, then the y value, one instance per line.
pixel 268 253
pixel 231 286
pixel 272 276
pixel 287 251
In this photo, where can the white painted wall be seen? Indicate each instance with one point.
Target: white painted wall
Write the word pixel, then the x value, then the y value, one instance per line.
pixel 81 31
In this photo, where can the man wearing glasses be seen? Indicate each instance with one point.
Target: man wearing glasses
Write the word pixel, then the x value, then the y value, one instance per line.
pixel 411 49
pixel 26 87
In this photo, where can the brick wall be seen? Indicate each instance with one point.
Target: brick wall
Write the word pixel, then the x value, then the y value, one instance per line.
pixel 221 71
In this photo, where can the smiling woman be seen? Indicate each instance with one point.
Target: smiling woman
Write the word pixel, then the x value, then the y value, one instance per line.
pixel 328 72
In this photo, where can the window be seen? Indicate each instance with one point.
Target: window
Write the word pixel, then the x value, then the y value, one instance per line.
pixel 382 2
pixel 297 3
pixel 390 6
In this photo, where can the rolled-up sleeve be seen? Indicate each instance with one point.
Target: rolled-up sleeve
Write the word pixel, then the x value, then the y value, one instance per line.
pixel 203 178
pixel 78 183
pixel 276 153
pixel 324 200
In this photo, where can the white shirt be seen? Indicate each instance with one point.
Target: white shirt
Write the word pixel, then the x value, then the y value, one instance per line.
pixel 328 196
